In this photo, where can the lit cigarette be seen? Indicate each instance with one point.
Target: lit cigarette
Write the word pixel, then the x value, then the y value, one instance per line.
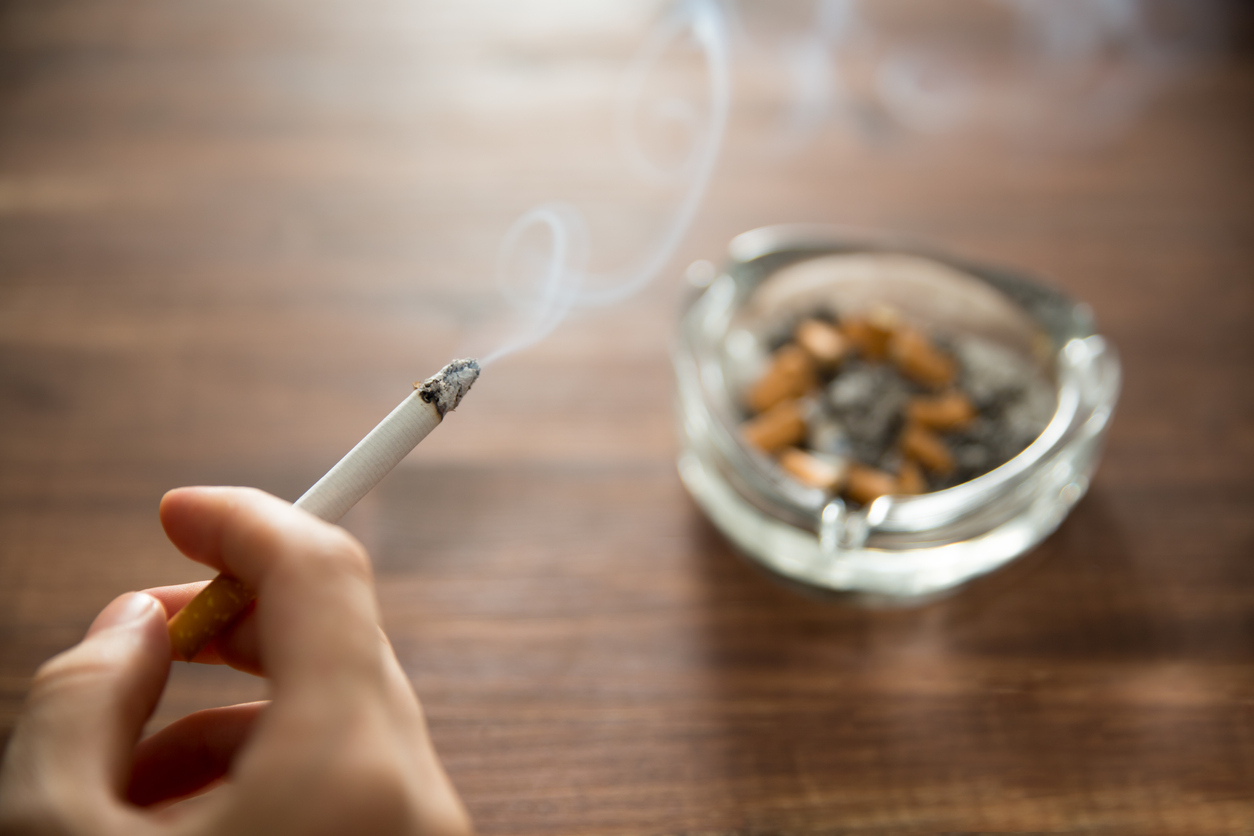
pixel 222 601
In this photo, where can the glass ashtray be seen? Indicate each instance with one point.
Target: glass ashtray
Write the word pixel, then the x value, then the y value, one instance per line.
pixel 895 548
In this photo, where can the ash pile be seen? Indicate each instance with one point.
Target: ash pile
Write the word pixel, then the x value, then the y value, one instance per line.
pixel 864 406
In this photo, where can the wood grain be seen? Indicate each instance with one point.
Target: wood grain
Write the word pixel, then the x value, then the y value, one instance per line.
pixel 232 234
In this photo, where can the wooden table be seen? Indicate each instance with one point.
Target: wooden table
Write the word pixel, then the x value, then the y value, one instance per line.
pixel 232 234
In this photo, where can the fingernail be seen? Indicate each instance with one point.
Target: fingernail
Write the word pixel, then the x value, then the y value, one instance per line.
pixel 124 609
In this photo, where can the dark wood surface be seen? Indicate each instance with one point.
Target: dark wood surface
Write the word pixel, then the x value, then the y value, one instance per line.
pixel 231 234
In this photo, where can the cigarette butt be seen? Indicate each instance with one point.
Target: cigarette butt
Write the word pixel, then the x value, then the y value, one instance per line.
pixel 871 334
pixel 865 484
pixel 823 341
pixel 781 426
pixel 822 472
pixel 926 448
pixel 910 479
pixel 207 615
pixel 949 411
pixel 791 375
pixel 916 358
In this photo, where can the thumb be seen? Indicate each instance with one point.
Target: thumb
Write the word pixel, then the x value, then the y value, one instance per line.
pixel 88 705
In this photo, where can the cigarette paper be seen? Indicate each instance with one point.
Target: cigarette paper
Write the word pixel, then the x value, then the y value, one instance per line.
pixel 926 448
pixel 791 375
pixel 916 358
pixel 865 484
pixel 781 426
pixel 816 471
pixel 910 479
pixel 225 598
pixel 870 334
pixel 823 341
pixel 950 411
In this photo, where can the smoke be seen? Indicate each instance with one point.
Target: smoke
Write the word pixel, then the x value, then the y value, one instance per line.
pixel 542 269
pixel 1044 72
pixel 539 275
pixel 1041 72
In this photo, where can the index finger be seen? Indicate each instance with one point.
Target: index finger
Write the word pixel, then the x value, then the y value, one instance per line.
pixel 316 613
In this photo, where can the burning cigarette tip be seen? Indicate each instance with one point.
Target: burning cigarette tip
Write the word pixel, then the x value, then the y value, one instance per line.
pixel 446 388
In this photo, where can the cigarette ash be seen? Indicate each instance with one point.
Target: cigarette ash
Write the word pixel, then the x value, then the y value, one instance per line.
pixel 446 388
pixel 868 405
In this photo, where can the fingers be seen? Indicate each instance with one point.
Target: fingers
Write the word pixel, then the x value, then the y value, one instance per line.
pixel 343 747
pixel 190 754
pixel 316 613
pixel 236 647
pixel 87 706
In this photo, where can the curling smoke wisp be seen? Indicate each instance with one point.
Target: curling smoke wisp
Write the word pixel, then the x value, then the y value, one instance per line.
pixel 542 270
pixel 1045 73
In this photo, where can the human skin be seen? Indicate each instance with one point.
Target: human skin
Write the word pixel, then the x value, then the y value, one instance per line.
pixel 341 746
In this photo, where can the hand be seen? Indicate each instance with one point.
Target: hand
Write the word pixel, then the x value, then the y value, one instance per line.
pixel 342 747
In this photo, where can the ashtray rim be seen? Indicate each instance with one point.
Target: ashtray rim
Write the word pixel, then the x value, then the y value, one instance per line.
pixel 754 255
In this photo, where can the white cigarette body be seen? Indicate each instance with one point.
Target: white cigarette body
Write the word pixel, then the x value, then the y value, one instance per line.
pixel 382 449
pixel 217 605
